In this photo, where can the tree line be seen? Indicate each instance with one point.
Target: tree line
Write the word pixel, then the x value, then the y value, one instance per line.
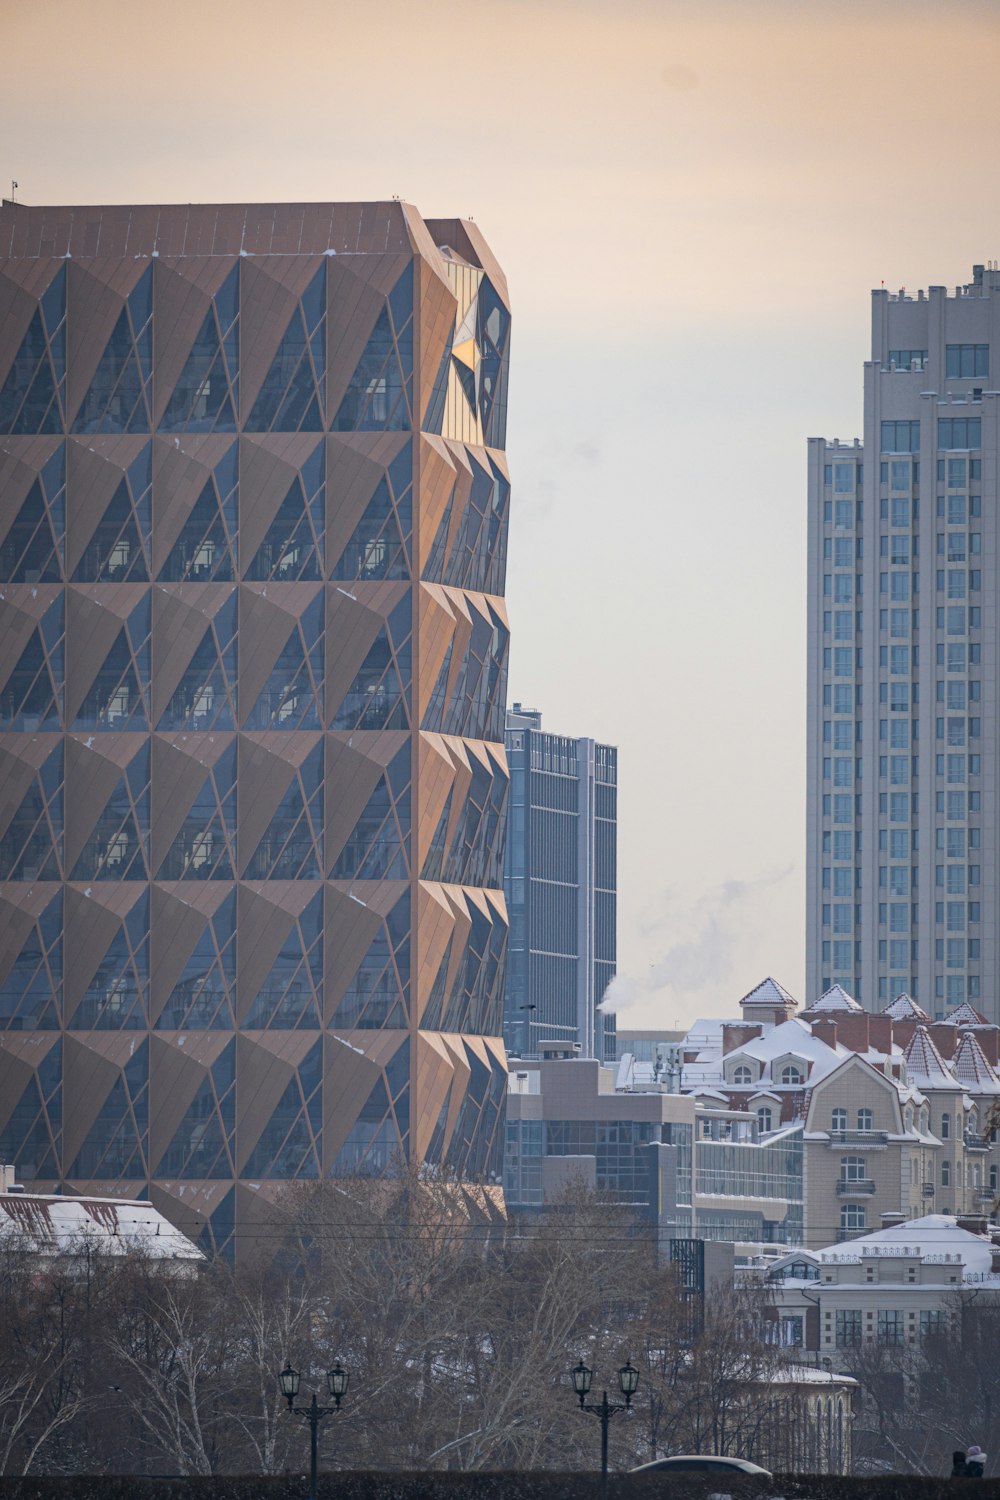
pixel 458 1337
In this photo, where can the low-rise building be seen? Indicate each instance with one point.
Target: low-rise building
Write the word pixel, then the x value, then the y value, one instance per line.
pixel 697 1168
pixel 896 1110
pixel 893 1287
pixel 50 1226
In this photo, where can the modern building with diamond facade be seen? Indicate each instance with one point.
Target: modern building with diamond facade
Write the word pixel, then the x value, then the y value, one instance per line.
pixel 903 861
pixel 253 518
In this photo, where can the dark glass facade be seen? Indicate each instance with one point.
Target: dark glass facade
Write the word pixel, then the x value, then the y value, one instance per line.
pixel 253 646
pixel 560 878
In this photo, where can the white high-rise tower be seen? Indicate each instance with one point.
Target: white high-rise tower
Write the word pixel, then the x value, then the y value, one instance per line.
pixel 904 631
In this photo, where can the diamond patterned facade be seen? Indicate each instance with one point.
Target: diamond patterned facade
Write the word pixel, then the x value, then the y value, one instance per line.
pixel 253 519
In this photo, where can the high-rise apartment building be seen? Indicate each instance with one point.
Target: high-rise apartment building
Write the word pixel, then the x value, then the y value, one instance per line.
pixel 904 720
pixel 560 879
pixel 253 518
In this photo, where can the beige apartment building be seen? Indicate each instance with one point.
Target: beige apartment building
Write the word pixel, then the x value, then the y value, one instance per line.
pixel 895 1109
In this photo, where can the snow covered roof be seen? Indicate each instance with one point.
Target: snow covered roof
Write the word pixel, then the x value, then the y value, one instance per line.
pixel 769 992
pixel 834 999
pixel 806 1375
pixel 966 1016
pixel 54 1225
pixel 972 1067
pixel 933 1236
pixel 905 1008
pixel 924 1063
pixel 792 1038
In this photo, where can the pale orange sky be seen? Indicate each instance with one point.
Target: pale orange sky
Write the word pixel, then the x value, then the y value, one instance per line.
pixel 691 202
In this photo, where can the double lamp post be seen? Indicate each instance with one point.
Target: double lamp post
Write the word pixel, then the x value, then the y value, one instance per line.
pixel 628 1381
pixel 336 1380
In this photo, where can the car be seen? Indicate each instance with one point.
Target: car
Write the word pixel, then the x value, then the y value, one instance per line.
pixel 703 1463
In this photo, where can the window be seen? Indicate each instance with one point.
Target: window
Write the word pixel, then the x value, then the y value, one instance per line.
pixel 891 1326
pixel 866 1119
pixel 843 479
pixel 966 361
pixel 791 1074
pixel 908 359
pixel 848 1326
pixel 946 1174
pixel 945 1125
pixel 764 1119
pixel 742 1075
pixel 838 1119
pixel 791 1332
pixel 852 1169
pixel 953 432
pixel 902 437
pixel 853 1218
pixel 931 1321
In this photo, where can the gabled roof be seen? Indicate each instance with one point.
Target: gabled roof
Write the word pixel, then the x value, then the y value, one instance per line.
pixel 972 1068
pixel 966 1016
pixel 924 1062
pixel 833 999
pixel 905 1008
pixel 769 992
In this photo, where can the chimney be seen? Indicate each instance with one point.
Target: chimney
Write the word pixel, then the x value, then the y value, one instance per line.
pixel 852 1030
pixel 945 1038
pixel 902 1032
pixel 825 1030
pixel 891 1217
pixel 971 1223
pixel 736 1034
pixel 880 1033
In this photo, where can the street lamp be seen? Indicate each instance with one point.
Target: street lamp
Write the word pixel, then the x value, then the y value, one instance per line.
pixel 628 1381
pixel 527 1027
pixel 336 1381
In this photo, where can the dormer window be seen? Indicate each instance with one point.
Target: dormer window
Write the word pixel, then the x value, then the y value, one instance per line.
pixel 742 1074
pixel 791 1073
pixel 764 1119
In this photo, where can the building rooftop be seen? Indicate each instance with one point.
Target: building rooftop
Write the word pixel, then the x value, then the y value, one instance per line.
pixel 930 1238
pixel 835 998
pixel 924 1063
pixel 47 1224
pixel 905 1008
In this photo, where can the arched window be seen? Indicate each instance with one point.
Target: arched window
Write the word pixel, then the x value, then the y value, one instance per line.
pixel 853 1218
pixel 791 1073
pixel 945 1125
pixel 742 1074
pixel 946 1174
pixel 866 1119
pixel 852 1169
pixel 838 1120
pixel 764 1118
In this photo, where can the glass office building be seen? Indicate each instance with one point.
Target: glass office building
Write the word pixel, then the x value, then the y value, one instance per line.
pixel 560 878
pixel 903 712
pixel 253 519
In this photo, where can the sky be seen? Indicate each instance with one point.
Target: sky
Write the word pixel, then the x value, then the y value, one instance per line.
pixel 692 202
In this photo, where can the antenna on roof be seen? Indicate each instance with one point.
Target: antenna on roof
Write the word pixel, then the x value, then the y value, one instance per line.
pixel 13 189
